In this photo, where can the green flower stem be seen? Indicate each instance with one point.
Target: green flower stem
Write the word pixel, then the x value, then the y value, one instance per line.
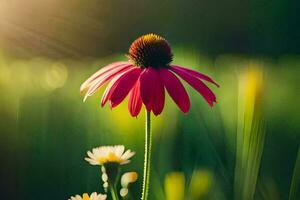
pixel 147 157
pixel 114 194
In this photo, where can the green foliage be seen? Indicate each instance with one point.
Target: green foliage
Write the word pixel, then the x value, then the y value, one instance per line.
pixel 250 132
pixel 46 131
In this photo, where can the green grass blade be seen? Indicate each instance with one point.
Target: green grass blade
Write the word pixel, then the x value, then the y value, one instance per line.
pixel 250 134
pixel 294 189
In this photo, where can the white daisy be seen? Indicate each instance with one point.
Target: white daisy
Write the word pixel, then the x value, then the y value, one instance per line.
pixel 85 196
pixel 109 154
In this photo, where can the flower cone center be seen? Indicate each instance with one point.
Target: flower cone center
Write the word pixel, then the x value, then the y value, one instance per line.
pixel 150 50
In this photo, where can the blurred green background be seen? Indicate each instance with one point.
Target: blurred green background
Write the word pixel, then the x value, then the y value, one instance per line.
pixel 48 48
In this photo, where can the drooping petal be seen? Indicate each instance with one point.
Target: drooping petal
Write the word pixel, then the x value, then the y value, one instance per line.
pixel 105 77
pixel 197 84
pixel 152 90
pixel 123 85
pixel 135 100
pixel 158 95
pixel 196 74
pixel 107 93
pixel 100 72
pixel 122 89
pixel 175 89
pixel 146 88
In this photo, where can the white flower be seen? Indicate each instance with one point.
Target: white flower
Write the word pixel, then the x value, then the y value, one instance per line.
pixel 85 196
pixel 124 192
pixel 127 178
pixel 109 154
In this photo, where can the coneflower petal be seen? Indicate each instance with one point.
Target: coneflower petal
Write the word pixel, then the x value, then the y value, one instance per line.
pixel 197 84
pixel 123 85
pixel 158 93
pixel 135 100
pixel 175 89
pixel 112 85
pixel 100 72
pixel 196 74
pixel 152 91
pixel 105 77
pixel 146 86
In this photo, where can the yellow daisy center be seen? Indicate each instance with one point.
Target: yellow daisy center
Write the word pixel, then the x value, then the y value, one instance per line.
pixel 85 196
pixel 112 157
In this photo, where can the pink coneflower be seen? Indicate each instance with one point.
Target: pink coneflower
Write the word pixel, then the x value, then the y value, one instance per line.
pixel 144 78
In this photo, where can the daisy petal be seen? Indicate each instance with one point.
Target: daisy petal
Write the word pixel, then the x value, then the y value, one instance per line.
pixel 125 162
pixel 196 74
pixel 175 89
pixel 119 150
pixel 198 85
pixel 93 195
pixel 101 197
pixel 128 154
pixel 91 155
pixel 123 85
pixel 91 161
pixel 135 100
pixel 78 197
pixel 100 72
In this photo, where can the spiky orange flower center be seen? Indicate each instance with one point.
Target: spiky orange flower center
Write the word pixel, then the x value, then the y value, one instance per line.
pixel 150 50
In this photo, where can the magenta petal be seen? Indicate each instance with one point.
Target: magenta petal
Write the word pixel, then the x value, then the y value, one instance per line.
pixel 146 84
pixel 100 72
pixel 123 85
pixel 197 84
pixel 152 91
pixel 101 80
pixel 196 74
pixel 175 89
pixel 112 85
pixel 135 100
pixel 158 93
